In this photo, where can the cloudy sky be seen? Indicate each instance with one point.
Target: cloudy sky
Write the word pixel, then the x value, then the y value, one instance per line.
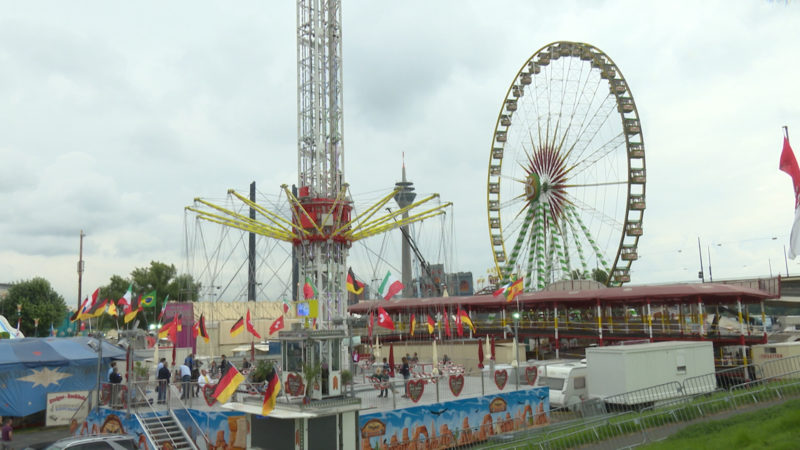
pixel 114 116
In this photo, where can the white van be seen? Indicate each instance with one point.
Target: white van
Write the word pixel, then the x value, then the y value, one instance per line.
pixel 567 382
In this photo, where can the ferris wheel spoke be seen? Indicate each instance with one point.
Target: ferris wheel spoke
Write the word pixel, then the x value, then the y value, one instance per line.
pixel 589 130
pixel 604 151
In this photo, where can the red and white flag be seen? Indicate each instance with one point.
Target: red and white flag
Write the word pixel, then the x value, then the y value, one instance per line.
pixel 384 320
pixel 276 325
pixel 789 165
pixel 250 327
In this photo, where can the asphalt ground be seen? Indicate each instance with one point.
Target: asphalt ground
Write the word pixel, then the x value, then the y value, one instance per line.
pixel 38 437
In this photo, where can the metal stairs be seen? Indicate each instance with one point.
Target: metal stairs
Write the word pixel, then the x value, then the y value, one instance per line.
pixel 166 429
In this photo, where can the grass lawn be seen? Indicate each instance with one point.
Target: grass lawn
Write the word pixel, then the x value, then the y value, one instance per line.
pixel 773 428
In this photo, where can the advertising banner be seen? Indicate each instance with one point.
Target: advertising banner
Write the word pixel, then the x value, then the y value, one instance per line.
pixel 62 407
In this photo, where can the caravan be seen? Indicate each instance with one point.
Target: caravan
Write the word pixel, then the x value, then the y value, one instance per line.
pixel 566 380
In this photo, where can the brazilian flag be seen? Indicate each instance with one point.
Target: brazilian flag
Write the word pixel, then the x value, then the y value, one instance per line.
pixel 149 300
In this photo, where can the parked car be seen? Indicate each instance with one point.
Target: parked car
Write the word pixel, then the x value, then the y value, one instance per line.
pixel 96 442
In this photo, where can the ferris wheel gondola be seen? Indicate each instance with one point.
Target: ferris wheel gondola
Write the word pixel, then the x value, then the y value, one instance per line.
pixel 566 178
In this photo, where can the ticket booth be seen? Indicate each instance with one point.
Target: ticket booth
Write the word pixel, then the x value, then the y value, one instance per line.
pixel 315 352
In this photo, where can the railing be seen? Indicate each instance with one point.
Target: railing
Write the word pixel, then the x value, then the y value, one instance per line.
pixel 591 423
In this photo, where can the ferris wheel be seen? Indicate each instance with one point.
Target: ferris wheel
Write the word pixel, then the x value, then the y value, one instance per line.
pixel 566 181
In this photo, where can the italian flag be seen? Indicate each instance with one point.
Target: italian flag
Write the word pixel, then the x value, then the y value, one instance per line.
pixel 389 286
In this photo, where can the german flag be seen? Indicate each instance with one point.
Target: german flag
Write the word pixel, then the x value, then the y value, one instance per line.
pixel 112 309
pixel 228 384
pixel 353 285
pixel 200 330
pixel 132 310
pixel 77 315
pixel 465 319
pixel 168 330
pixel 271 394
pixel 413 324
pixel 237 327
pixel 431 324
pixel 98 309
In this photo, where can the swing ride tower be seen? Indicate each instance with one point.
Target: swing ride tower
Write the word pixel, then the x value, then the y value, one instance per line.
pixel 323 224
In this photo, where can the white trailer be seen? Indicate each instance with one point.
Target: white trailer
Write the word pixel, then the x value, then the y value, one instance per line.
pixel 647 373
pixel 566 380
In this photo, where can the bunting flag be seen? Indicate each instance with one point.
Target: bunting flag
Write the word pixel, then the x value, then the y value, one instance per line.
pixel 309 291
pixel 132 310
pixel 271 394
pixel 125 301
pixel 87 310
pixel 389 286
pixel 465 319
pixel 446 324
pixel 514 290
pixel 250 328
pixel 149 300
pixel 371 324
pixel 111 309
pixel 788 164
pixel 353 285
pixel 228 384
pixel 201 329
pixel 384 320
pixel 276 325
pixel 237 327
pixel 413 324
pixel 286 306
pixel 163 308
pixel 431 324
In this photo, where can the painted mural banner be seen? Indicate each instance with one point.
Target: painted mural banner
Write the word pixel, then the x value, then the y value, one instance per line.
pixel 62 406
pixel 455 423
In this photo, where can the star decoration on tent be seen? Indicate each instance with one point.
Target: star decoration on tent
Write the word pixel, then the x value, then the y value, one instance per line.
pixel 44 377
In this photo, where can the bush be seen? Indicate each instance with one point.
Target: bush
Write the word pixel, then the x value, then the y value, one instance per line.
pixel 262 371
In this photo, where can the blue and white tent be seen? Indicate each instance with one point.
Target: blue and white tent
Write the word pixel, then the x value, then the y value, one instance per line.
pixel 30 368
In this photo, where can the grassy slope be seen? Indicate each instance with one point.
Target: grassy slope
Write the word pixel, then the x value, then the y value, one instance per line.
pixel 773 428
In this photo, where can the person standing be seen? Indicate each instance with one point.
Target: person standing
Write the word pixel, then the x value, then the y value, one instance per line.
pixel 406 372
pixel 203 380
pixel 195 377
pixel 115 379
pixel 163 383
pixel 189 360
pixel 7 434
pixel 384 383
pixel 224 365
pixel 186 379
pixel 110 370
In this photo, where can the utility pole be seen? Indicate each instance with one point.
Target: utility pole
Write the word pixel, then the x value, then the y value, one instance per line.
pixel 80 271
pixel 700 252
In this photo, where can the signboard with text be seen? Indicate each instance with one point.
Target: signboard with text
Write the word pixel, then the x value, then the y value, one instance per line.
pixel 62 407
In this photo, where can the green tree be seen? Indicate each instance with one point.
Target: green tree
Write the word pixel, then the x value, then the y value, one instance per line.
pixel 39 301
pixel 115 289
pixel 164 279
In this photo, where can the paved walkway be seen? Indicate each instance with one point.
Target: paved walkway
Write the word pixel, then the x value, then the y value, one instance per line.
pixel 38 438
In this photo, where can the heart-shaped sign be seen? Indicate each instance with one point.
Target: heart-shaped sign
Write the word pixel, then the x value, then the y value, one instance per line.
pixel 294 384
pixel 500 378
pixel 208 394
pixel 456 384
pixel 415 389
pixel 530 374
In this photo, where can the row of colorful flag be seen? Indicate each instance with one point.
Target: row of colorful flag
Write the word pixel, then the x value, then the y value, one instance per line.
pixel 130 307
pixel 385 321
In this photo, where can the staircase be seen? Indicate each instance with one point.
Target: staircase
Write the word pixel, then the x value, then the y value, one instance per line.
pixel 162 429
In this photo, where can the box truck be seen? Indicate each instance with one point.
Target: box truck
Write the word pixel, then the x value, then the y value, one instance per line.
pixel 642 374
